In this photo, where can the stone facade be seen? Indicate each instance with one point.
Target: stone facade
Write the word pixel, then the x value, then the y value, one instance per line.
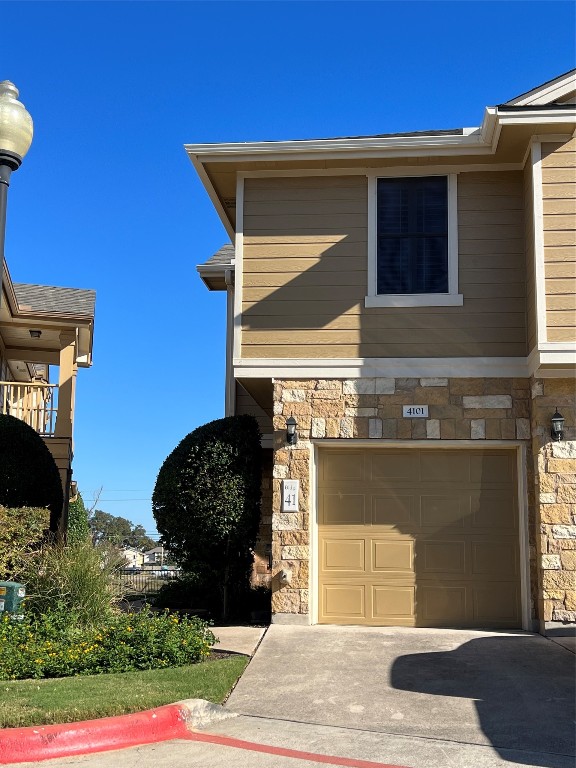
pixel 555 468
pixel 459 409
pixel 261 574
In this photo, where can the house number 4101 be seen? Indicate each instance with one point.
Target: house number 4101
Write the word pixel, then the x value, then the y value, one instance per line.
pixel 415 411
pixel 290 489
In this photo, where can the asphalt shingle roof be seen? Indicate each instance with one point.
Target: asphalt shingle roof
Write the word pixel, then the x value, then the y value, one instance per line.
pixel 52 299
pixel 223 256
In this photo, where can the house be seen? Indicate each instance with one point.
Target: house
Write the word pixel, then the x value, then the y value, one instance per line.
pixel 154 556
pixel 41 327
pixel 409 299
pixel 133 556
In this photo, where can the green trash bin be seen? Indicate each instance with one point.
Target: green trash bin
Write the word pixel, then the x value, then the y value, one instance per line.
pixel 11 596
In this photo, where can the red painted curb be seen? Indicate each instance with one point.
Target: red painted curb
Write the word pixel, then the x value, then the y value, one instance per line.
pixel 313 757
pixel 43 742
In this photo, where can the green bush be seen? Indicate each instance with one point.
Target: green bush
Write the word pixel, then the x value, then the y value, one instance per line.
pixel 21 531
pixel 75 580
pixel 206 503
pixel 78 528
pixel 29 476
pixel 43 646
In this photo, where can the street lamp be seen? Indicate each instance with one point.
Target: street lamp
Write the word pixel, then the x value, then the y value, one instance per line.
pixel 16 131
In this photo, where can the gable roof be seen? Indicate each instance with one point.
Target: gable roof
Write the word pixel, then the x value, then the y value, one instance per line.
pixel 547 93
pixel 53 300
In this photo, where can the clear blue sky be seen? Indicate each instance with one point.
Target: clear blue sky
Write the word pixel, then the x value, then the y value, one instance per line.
pixel 107 199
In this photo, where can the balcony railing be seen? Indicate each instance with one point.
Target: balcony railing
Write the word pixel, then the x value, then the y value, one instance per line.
pixel 34 403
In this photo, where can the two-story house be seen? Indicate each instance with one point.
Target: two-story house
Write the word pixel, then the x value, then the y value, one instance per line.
pixel 409 300
pixel 42 327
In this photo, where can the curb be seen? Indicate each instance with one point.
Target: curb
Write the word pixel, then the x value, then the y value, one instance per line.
pixel 45 742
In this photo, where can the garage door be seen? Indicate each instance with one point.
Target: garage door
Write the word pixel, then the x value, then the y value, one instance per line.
pixel 423 538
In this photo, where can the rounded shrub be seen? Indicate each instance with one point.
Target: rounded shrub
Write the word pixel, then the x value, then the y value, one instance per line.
pixel 206 503
pixel 29 476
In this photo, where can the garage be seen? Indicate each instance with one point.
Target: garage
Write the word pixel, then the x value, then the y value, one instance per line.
pixel 418 537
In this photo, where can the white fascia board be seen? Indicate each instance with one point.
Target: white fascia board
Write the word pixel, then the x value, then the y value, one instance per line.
pixel 537 116
pixel 348 147
pixel 557 89
pixel 357 368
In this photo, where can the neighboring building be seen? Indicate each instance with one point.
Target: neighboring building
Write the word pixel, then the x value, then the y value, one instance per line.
pixel 134 557
pixel 42 326
pixel 154 556
pixel 410 300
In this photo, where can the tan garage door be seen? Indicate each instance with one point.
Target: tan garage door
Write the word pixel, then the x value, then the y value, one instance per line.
pixel 423 538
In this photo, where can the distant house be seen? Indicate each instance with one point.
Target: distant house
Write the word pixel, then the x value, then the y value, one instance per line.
pixel 134 557
pixel 154 556
pixel 409 299
pixel 41 327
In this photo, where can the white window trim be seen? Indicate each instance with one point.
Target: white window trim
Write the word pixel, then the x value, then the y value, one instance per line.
pixel 450 299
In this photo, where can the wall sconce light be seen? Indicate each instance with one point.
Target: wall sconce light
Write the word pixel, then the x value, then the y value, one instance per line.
pixel 557 431
pixel 35 334
pixel 291 434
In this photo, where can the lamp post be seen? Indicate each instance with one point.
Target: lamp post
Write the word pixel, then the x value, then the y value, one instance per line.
pixel 16 131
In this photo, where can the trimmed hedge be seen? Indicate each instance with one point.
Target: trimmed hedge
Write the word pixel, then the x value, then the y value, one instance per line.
pixel 29 476
pixel 206 503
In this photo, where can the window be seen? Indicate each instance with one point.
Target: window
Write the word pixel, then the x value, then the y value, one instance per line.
pixel 413 243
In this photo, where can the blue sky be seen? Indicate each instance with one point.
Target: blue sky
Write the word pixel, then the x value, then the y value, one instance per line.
pixel 106 197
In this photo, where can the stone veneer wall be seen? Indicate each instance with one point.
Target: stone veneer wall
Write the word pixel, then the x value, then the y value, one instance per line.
pixel 261 575
pixel 459 409
pixel 555 465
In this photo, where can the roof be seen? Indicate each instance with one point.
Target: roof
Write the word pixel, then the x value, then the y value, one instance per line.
pixel 224 256
pixel 545 93
pixel 54 300
pixel 213 271
pixel 551 105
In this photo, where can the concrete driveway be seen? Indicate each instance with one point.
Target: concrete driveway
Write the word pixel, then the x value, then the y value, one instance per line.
pixel 511 691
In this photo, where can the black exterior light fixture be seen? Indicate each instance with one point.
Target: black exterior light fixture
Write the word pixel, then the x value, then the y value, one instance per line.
pixel 557 431
pixel 16 130
pixel 291 434
pixel 35 334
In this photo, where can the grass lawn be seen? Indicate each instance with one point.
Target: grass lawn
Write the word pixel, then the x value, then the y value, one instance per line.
pixel 66 699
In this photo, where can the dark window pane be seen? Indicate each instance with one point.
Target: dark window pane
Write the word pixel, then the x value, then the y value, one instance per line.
pixel 412 224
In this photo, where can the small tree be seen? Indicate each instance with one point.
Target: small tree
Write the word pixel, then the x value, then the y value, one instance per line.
pixel 206 503
pixel 29 476
pixel 78 529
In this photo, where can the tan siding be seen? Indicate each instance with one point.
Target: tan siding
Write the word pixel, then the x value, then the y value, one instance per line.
pixel 245 404
pixel 305 274
pixel 559 222
pixel 530 265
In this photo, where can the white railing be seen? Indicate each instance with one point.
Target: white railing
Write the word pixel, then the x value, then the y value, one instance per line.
pixel 34 403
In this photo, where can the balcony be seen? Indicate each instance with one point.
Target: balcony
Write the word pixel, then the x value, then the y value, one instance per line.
pixel 34 403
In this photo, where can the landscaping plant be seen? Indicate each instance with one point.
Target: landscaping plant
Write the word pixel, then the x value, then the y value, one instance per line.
pixel 77 581
pixel 206 503
pixel 47 646
pixel 21 531
pixel 29 476
pixel 78 528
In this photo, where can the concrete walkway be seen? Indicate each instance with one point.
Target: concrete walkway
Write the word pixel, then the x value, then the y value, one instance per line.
pixel 509 691
pixel 238 639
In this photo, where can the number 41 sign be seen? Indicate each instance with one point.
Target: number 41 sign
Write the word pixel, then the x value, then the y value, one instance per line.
pixel 290 490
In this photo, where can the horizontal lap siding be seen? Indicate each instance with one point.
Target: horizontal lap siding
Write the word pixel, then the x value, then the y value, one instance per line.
pixel 559 207
pixel 305 274
pixel 529 243
pixel 245 404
